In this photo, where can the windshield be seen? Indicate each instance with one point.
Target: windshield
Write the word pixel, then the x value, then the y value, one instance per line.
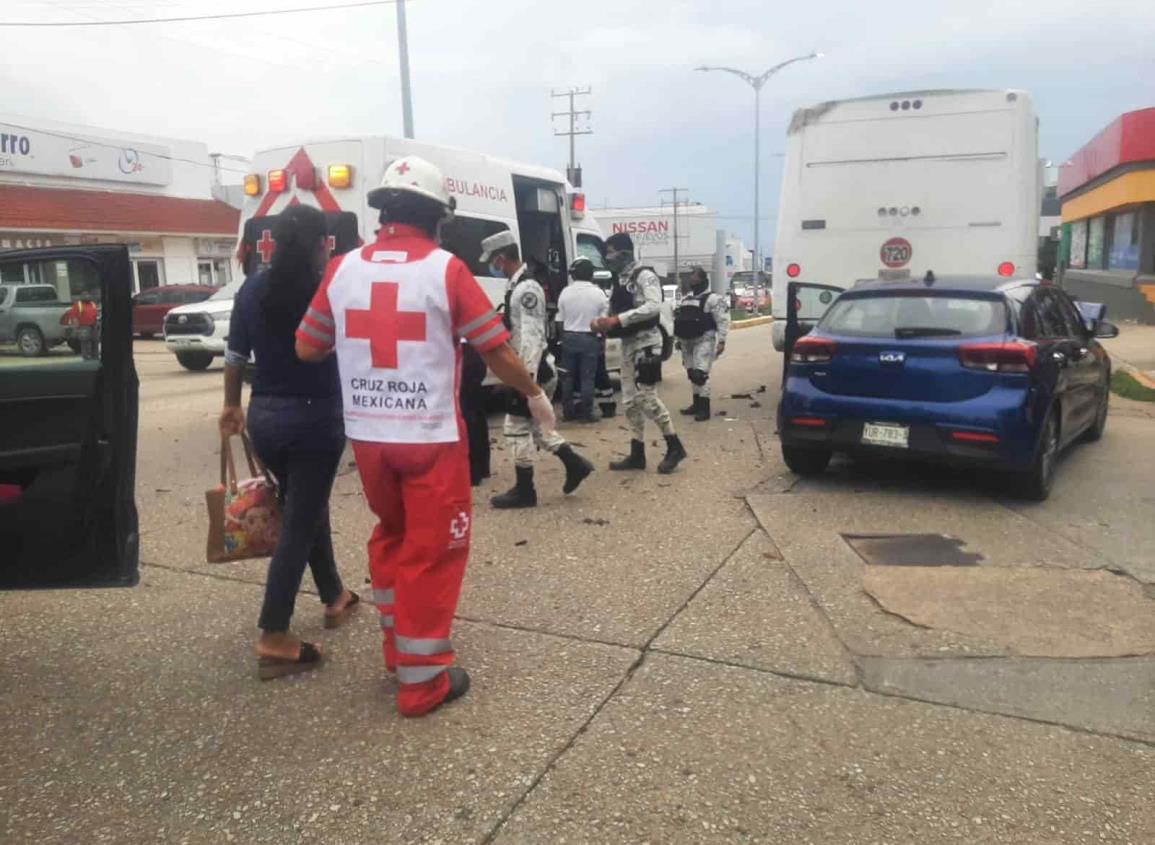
pixel 915 316
pixel 227 292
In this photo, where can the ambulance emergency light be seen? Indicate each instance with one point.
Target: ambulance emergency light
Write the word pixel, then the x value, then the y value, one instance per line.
pixel 278 181
pixel 577 206
pixel 252 185
pixel 340 176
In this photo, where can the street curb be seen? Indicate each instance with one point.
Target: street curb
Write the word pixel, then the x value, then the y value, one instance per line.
pixel 1135 373
pixel 751 323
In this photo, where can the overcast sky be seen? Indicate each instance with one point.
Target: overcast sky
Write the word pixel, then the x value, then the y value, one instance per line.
pixel 482 74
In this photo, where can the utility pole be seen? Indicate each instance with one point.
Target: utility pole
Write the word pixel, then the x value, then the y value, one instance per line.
pixel 677 269
pixel 403 52
pixel 572 172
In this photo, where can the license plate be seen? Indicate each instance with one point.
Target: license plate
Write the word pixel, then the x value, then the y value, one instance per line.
pixel 886 434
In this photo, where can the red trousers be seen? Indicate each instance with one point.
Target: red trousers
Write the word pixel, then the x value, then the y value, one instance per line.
pixel 423 502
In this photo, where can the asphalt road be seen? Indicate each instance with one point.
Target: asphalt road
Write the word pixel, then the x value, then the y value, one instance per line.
pixel 702 657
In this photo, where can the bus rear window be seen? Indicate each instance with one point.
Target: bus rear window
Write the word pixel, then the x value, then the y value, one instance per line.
pixel 915 316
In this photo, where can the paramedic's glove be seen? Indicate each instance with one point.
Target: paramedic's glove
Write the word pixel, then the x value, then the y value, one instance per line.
pixel 541 409
pixel 232 420
pixel 721 349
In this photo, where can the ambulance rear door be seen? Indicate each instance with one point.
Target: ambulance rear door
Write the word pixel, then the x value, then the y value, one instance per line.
pixel 68 426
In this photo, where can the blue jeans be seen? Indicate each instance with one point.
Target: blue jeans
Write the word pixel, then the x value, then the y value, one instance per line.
pixel 580 352
pixel 300 441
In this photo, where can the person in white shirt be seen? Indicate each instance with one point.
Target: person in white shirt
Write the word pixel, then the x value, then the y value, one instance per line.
pixel 580 304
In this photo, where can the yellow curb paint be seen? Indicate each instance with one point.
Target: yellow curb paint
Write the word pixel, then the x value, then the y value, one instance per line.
pixel 749 324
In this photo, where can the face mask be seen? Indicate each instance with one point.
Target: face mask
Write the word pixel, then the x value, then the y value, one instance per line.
pixel 494 270
pixel 620 261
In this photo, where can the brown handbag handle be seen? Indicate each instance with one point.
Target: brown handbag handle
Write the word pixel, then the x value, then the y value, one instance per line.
pixel 229 467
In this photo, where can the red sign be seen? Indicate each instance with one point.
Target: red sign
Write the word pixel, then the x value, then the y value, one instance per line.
pixel 896 252
pixel 384 326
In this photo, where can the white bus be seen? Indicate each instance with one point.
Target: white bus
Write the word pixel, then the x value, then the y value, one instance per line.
pixel 897 185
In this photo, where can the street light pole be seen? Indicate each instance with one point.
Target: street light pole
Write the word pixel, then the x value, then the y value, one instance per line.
pixel 756 82
pixel 403 52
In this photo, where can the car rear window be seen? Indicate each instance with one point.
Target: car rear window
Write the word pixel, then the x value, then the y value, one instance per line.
pixel 915 316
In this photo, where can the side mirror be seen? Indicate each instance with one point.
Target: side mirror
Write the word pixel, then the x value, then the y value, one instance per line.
pixel 1105 329
pixel 1092 313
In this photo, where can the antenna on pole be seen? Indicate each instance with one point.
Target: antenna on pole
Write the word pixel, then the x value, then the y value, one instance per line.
pixel 573 172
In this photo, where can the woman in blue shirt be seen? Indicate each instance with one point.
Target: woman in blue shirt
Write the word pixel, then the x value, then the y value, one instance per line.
pixel 296 425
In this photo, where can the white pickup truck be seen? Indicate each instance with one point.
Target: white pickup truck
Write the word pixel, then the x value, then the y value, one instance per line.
pixel 198 333
pixel 30 318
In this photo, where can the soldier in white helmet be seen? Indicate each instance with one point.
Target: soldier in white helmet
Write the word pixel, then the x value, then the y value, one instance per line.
pixel 525 317
pixel 395 312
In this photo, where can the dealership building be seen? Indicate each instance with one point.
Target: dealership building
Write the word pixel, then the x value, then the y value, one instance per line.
pixel 163 197
pixel 1107 191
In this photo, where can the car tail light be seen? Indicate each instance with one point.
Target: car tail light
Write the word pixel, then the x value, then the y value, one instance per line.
pixel 793 270
pixel 278 181
pixel 340 176
pixel 252 185
pixel 813 350
pixel 1007 268
pixel 1014 357
pixel 974 437
pixel 809 422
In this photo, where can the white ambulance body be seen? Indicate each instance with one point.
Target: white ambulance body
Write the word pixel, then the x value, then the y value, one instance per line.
pixel 896 185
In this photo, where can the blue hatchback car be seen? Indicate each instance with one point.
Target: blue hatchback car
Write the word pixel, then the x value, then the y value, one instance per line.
pixel 994 373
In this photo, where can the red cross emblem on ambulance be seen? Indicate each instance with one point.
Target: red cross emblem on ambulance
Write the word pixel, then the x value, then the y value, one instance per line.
pixel 384 326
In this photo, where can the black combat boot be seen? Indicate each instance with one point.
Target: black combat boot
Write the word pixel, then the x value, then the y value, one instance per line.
pixel 703 409
pixel 675 453
pixel 521 495
pixel 576 468
pixel 692 409
pixel 609 410
pixel 636 460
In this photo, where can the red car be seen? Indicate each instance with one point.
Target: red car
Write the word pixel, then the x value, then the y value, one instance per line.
pixel 150 306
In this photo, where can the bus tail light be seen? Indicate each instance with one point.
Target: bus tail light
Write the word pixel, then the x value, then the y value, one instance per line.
pixel 278 181
pixel 340 176
pixel 252 185
pixel 1007 268
pixel 793 270
pixel 813 350
pixel 1013 357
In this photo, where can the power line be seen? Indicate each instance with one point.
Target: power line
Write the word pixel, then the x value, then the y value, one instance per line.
pixel 573 173
pixel 225 16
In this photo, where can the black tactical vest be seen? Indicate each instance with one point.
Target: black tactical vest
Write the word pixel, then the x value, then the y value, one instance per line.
pixel 692 320
pixel 622 300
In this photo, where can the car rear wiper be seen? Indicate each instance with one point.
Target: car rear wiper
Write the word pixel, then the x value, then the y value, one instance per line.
pixel 924 331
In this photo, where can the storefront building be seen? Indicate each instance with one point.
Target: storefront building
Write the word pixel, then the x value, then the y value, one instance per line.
pixel 63 184
pixel 1107 190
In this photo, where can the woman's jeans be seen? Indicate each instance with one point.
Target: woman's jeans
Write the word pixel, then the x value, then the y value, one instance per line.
pixel 300 441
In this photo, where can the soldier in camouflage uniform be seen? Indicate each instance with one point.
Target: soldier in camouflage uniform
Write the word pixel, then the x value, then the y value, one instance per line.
pixel 525 316
pixel 701 324
pixel 635 307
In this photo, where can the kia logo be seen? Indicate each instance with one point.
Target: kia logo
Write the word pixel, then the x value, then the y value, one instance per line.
pixel 891 357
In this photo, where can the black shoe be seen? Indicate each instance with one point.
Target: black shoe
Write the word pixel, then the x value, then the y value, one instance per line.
pixel 692 410
pixel 675 454
pixel 636 460
pixel 609 410
pixel 576 468
pixel 703 409
pixel 521 495
pixel 458 683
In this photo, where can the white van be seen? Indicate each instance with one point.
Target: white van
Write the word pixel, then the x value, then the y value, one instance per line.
pixel 492 194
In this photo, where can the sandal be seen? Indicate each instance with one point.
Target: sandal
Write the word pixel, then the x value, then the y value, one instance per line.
pixel 339 619
pixel 277 667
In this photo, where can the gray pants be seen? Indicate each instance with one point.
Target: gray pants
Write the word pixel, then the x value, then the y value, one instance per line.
pixel 641 400
pixel 698 357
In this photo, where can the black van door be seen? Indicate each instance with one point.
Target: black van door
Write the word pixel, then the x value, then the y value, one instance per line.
pixel 68 426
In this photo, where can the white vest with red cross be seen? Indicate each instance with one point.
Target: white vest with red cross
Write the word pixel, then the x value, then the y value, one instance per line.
pixel 396 351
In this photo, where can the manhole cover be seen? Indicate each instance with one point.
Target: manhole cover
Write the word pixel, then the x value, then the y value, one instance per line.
pixel 911 550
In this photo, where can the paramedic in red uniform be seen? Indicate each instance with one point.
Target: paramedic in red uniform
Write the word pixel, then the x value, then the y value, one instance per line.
pixel 395 311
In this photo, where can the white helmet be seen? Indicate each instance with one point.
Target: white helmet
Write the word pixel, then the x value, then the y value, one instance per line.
pixel 414 175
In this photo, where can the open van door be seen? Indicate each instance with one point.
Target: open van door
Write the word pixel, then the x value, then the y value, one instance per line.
pixel 806 303
pixel 68 427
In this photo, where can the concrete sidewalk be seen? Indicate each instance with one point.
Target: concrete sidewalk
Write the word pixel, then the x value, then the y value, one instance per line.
pixel 1135 348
